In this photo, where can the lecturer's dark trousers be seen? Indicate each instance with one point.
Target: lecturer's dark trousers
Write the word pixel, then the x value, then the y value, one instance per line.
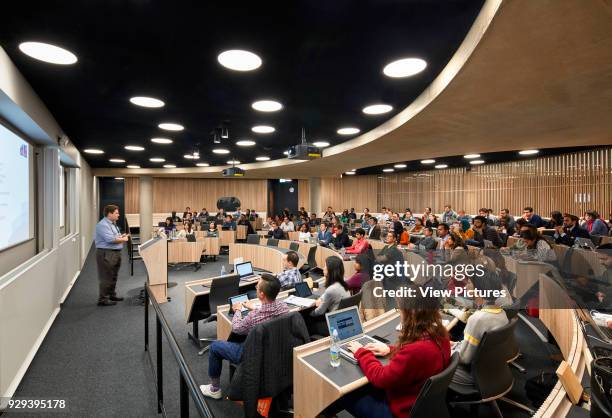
pixel 108 262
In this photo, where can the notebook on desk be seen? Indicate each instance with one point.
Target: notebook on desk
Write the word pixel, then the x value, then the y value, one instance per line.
pixel 348 325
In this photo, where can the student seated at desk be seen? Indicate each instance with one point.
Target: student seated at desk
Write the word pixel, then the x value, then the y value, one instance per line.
pixel 243 220
pixel 268 287
pixel 487 318
pixel 290 275
pixel 422 350
pixel 324 236
pixel 168 226
pixel 418 226
pixel 360 245
pixel 304 232
pixel 429 242
pixel 187 230
pixel 229 223
pixel 276 232
pixel 336 288
pixel 535 247
pixel 212 230
pixel 404 237
pixel 341 240
pixel 362 273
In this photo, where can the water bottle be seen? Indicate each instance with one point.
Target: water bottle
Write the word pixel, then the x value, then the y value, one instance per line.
pixel 343 252
pixel 223 270
pixel 334 349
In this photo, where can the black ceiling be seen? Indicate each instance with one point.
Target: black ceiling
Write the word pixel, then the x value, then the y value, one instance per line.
pixel 322 60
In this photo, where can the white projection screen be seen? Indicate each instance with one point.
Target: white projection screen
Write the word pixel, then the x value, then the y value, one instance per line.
pixel 15 186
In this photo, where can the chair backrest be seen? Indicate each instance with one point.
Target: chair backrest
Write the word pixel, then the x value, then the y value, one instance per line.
pixel 221 289
pixel 253 239
pixel 272 242
pixel 431 400
pixel 312 259
pixel 490 368
pixel 350 301
pixel 294 246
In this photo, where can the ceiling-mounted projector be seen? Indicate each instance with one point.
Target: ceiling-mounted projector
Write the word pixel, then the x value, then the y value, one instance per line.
pixel 304 151
pixel 233 172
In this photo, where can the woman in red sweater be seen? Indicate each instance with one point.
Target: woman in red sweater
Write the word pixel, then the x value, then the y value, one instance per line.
pixel 422 350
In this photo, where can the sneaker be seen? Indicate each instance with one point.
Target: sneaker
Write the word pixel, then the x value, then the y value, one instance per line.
pixel 106 302
pixel 116 298
pixel 206 391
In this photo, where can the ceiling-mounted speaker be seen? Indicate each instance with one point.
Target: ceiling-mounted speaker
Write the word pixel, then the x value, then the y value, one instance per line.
pixel 228 204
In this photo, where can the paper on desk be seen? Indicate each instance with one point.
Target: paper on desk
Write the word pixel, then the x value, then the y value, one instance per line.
pixel 298 301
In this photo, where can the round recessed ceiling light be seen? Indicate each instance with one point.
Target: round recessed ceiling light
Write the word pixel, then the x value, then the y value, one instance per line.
pixel 377 109
pixel 245 143
pixel 233 162
pixel 404 67
pixel 169 166
pixel 441 166
pixel 134 148
pixel 474 162
pixel 161 140
pixel 48 53
pixel 116 160
pixel 167 126
pixel 147 101
pixel 529 152
pixel 350 173
pixel 133 166
pixel 93 151
pixel 262 158
pixel 192 156
pixel 203 164
pixel 267 106
pixel 428 161
pixel 221 151
pixel 388 170
pixel 400 166
pixel 239 60
pixel 321 144
pixel 157 160
pixel 119 178
pixel 263 129
pixel 348 131
pixel 470 156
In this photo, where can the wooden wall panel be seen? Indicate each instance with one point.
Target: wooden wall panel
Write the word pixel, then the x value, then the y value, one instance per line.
pixel 177 193
pixel 349 192
pixel 304 194
pixel 132 191
pixel 568 183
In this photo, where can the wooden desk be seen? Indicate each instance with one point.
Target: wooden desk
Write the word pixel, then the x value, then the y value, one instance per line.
pixel 511 241
pixel 261 256
pixel 316 384
pixel 226 238
pixel 211 245
pixel 376 244
pixel 241 232
pixel 154 253
pixel 527 273
pixel 183 251
pixel 303 247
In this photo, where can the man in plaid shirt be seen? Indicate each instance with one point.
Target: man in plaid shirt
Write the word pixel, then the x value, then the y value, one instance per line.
pixel 291 275
pixel 267 290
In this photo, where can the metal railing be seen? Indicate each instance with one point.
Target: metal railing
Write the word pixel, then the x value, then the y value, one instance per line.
pixel 188 386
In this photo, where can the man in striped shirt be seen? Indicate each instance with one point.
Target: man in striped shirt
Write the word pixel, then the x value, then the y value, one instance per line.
pixel 291 275
pixel 267 290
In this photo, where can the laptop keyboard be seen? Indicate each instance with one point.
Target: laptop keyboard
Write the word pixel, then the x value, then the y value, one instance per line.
pixel 362 341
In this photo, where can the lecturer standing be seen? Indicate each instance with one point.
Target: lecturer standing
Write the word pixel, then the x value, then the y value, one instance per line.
pixel 109 242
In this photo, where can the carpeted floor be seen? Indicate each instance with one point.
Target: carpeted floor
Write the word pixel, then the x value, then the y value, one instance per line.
pixel 93 357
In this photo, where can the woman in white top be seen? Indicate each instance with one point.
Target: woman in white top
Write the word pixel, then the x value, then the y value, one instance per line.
pixel 187 230
pixel 304 232
pixel 287 225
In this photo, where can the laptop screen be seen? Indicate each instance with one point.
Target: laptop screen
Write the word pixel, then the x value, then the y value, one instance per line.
pixel 346 322
pixel 244 269
pixel 240 298
pixel 302 290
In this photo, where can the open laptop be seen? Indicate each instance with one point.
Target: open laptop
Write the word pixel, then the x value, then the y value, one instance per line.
pixel 245 271
pixel 238 299
pixel 303 290
pixel 584 243
pixel 313 240
pixel 348 325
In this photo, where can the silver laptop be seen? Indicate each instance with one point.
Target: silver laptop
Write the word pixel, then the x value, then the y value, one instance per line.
pixel 348 325
pixel 245 270
pixel 313 240
pixel 584 243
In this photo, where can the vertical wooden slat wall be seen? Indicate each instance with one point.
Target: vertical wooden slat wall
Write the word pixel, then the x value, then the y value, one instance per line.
pixel 569 183
pixel 304 193
pixel 131 194
pixel 349 192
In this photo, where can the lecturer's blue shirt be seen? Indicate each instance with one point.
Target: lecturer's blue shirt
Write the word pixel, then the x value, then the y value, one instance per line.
pixel 106 233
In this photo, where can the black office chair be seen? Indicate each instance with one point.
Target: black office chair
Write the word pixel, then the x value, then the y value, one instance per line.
pixel 350 301
pixel 512 348
pixel 253 239
pixel 272 242
pixel 311 261
pixel 221 289
pixel 294 246
pixel 490 371
pixel 431 402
